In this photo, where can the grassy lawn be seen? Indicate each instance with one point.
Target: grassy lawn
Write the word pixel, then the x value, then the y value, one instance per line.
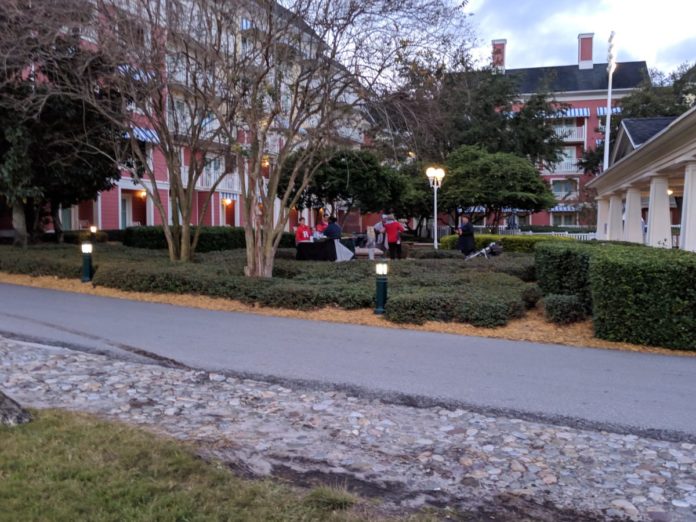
pixel 67 466
pixel 482 292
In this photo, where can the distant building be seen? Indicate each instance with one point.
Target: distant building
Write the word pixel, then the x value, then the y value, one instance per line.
pixel 583 89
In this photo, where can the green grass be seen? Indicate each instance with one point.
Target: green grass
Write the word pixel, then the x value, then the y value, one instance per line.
pixel 67 467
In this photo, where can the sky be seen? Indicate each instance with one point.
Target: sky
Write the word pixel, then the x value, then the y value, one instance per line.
pixel 545 32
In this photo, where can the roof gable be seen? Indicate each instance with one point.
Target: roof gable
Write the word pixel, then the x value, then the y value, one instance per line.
pixel 570 78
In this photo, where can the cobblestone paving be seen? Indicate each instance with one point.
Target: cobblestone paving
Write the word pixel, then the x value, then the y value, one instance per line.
pixel 409 457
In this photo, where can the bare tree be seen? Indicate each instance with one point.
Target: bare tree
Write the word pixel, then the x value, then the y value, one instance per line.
pixel 242 83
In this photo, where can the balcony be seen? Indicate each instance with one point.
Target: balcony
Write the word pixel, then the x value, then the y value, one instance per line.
pixel 229 183
pixel 570 133
pixel 563 167
pixel 565 196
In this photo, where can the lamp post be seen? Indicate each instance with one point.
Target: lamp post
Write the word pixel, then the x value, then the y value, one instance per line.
pixel 435 176
pixel 611 66
pixel 381 297
pixel 93 234
pixel 87 268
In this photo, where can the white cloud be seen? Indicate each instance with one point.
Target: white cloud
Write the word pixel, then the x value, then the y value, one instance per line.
pixel 543 32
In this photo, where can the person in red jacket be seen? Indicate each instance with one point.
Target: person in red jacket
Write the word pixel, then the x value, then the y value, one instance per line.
pixel 393 230
pixel 302 232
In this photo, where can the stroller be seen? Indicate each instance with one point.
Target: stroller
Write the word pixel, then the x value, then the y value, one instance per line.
pixel 492 249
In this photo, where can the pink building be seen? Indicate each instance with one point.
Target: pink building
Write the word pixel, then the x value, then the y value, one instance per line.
pixel 582 88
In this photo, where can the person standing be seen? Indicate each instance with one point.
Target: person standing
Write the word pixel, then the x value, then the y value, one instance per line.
pixel 393 229
pixel 321 226
pixel 466 244
pixel 302 233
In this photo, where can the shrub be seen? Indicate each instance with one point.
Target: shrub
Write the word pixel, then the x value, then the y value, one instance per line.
pixel 562 268
pixel 211 239
pixel 546 228
pixel 59 260
pixel 563 309
pixel 431 253
pixel 485 300
pixel 531 295
pixel 645 297
pixel 510 243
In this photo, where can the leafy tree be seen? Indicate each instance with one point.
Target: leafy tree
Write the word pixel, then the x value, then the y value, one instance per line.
pixel 482 183
pixel 438 110
pixel 351 178
pixel 16 183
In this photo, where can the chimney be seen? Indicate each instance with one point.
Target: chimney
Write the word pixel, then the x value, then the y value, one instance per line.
pixel 585 51
pixel 499 54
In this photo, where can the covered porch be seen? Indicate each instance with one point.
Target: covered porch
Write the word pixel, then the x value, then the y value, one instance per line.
pixel 652 189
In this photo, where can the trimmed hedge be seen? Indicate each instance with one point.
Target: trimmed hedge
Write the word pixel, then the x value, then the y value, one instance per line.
pixel 634 293
pixel 487 300
pixel 446 289
pixel 510 243
pixel 547 228
pixel 563 309
pixel 63 261
pixel 562 268
pixel 646 297
pixel 211 238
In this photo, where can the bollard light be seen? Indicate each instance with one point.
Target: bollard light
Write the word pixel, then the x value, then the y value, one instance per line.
pixel 93 233
pixel 381 270
pixel 87 268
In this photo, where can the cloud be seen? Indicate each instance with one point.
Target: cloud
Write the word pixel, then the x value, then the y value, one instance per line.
pixel 543 32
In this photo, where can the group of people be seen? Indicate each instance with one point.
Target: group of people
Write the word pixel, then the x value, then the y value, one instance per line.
pixel 326 228
pixel 385 234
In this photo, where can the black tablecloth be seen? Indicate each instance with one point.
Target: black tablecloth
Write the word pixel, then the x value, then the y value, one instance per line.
pixel 324 250
pixel 317 251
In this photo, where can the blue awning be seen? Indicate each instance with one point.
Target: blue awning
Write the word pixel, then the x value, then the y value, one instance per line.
pixel 602 111
pixel 229 195
pixel 573 112
pixel 564 208
pixel 147 135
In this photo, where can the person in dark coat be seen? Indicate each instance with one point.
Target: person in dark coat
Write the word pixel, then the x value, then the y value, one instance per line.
pixel 333 231
pixel 466 243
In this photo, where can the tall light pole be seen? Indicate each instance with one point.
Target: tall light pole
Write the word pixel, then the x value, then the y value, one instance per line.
pixel 611 65
pixel 435 176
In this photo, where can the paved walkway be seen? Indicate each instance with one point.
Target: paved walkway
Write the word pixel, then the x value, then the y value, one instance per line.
pixel 639 393
pixel 488 467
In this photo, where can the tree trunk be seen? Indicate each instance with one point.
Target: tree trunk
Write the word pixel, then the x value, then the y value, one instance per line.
pixel 57 223
pixel 185 249
pixel 11 413
pixel 19 223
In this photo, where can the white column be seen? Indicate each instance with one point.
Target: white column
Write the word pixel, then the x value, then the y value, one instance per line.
pixel 633 228
pixel 687 237
pixel 602 217
pixel 659 226
pixel 615 228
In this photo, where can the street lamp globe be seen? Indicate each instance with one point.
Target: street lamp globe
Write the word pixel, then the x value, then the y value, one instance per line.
pixel 435 176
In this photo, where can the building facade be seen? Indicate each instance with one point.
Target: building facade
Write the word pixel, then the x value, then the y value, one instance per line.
pixel 581 90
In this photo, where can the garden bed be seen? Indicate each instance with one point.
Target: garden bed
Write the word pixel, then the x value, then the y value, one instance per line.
pixel 482 292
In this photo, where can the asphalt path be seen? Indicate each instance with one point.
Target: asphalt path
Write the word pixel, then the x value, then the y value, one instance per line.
pixel 640 393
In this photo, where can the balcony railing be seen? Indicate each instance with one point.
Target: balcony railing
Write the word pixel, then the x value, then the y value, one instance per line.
pixel 570 133
pixel 229 183
pixel 564 196
pixel 564 167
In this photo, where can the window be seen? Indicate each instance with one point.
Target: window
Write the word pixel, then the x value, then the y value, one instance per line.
pixel 563 188
pixel 246 24
pixel 564 219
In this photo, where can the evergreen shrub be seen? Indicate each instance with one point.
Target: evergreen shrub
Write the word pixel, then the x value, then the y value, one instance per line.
pixel 563 308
